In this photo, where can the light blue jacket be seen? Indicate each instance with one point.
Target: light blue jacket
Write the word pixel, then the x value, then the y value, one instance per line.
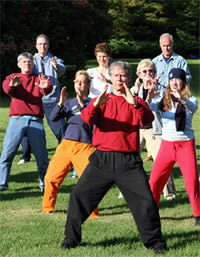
pixel 44 65
pixel 163 67
pixel 157 123
pixel 169 131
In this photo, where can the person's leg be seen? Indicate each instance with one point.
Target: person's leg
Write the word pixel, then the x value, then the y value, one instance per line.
pixel 25 151
pixel 58 168
pixel 57 127
pixel 162 168
pixel 186 159
pixel 169 190
pixel 136 190
pixel 80 161
pixel 153 144
pixel 95 181
pixel 74 174
pixel 14 133
pixel 37 140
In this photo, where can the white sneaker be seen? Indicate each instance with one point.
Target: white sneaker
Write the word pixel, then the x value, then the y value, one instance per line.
pixel 22 161
pixel 120 195
pixel 73 176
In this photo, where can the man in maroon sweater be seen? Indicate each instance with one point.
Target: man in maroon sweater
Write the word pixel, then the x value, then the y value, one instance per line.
pixel 26 114
pixel 116 117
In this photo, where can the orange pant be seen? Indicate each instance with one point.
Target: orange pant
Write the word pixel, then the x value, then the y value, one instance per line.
pixel 68 154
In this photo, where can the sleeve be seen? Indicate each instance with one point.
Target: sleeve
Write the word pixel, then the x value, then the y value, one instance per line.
pixel 191 104
pixel 61 68
pixel 90 114
pixel 58 113
pixel 185 67
pixel 144 113
pixel 6 88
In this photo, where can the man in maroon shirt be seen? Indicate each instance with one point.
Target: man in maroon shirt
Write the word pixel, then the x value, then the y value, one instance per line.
pixel 116 117
pixel 26 114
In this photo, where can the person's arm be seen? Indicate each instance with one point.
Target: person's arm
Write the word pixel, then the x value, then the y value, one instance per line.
pixel 90 114
pixel 185 67
pixel 10 83
pixel 144 112
pixel 58 65
pixel 44 84
pixel 59 111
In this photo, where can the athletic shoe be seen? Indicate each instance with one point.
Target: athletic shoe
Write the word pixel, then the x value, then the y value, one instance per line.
pixel 67 244
pixel 120 195
pixel 22 161
pixel 3 189
pixel 148 158
pixel 73 176
pixel 160 248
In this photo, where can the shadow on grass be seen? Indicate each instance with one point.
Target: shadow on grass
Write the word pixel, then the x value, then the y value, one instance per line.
pixel 122 210
pixel 180 200
pixel 177 218
pixel 184 239
pixel 10 196
pixel 114 241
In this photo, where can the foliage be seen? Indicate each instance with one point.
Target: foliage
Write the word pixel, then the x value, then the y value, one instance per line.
pixel 71 26
pixel 133 49
pixel 143 21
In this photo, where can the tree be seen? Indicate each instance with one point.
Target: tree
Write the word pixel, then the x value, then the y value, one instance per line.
pixel 74 28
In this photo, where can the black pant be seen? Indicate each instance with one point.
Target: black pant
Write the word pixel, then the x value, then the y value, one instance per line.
pixel 126 171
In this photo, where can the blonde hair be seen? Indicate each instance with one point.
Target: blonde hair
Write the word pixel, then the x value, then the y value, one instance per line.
pixel 146 62
pixel 166 102
pixel 84 73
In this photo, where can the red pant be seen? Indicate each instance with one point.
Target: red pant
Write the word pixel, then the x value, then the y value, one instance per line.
pixel 68 153
pixel 182 152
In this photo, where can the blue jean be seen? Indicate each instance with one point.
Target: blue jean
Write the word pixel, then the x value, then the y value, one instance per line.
pixel 57 127
pixel 18 127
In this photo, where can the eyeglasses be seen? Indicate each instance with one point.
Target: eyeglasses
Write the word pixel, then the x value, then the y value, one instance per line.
pixel 80 82
pixel 145 71
pixel 41 44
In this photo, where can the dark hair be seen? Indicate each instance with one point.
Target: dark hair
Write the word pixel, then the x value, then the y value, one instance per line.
pixel 102 47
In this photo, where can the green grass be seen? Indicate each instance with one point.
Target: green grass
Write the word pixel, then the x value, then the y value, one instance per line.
pixel 25 232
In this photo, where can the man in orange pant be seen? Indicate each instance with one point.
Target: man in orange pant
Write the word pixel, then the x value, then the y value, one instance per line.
pixel 76 147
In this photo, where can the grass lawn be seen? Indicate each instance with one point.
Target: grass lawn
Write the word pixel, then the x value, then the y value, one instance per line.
pixel 25 232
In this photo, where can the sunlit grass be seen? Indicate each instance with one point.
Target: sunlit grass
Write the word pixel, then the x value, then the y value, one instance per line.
pixel 24 231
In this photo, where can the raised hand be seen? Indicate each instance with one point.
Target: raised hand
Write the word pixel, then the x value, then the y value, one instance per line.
pixel 102 77
pixel 101 99
pixel 15 81
pixel 53 62
pixel 177 94
pixel 44 81
pixel 80 96
pixel 137 85
pixel 128 96
pixel 63 96
pixel 152 93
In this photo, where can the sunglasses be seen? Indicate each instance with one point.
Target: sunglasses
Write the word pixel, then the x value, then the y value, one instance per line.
pixel 145 71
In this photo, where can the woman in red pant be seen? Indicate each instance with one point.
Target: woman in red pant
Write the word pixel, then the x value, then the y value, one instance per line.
pixel 177 108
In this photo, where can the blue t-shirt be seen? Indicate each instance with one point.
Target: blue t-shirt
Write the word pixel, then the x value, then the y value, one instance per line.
pixel 76 129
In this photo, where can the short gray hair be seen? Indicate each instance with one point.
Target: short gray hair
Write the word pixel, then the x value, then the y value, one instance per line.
pixel 42 36
pixel 167 35
pixel 125 65
pixel 25 55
